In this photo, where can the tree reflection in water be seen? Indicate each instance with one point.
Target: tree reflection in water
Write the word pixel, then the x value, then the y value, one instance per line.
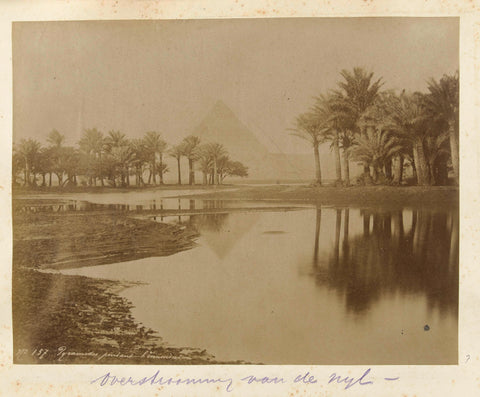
pixel 387 260
pixel 209 222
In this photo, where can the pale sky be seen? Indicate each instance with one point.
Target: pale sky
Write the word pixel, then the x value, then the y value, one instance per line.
pixel 136 76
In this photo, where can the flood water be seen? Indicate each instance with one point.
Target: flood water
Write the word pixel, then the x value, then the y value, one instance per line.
pixel 309 286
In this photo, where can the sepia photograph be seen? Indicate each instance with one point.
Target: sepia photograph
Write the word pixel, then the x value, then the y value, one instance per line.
pixel 278 191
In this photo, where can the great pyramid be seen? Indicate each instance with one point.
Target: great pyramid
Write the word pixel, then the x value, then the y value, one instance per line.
pixel 222 125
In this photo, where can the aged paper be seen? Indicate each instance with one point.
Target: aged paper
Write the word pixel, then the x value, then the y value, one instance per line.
pixel 437 360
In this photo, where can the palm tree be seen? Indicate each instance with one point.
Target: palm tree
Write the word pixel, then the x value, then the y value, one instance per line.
pixel 215 151
pixel 344 127
pixel 436 153
pixel 326 116
pixel 92 143
pixel 357 93
pixel 408 118
pixel 191 151
pixel 29 150
pixel 329 110
pixel 312 129
pixel 118 147
pixel 177 152
pixel 70 164
pixel 205 162
pixel 443 103
pixel 375 148
pixel 123 157
pixel 141 157
pixel 43 164
pixel 115 139
pixel 55 139
pixel 155 145
pixel 162 169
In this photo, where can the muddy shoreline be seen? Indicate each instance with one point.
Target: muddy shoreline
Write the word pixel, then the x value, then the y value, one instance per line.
pixel 60 319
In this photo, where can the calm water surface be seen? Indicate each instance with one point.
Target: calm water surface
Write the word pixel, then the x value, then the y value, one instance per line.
pixel 311 286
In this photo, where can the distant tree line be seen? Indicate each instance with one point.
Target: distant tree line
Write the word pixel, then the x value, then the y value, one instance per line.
pixel 112 160
pixel 384 131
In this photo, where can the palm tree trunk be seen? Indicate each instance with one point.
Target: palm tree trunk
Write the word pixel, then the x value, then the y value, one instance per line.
pixel 346 168
pixel 398 172
pixel 161 169
pixel 101 173
pixel 418 169
pixel 154 171
pixel 388 169
pixel 454 151
pixel 179 172
pixel 366 167
pixel 205 179
pixel 318 171
pixel 431 170
pixel 50 179
pixel 441 171
pixel 375 173
pixel 27 173
pixel 336 150
pixel 215 173
pixel 420 163
pixel 191 176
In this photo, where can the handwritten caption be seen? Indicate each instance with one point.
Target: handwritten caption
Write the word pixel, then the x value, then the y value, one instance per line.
pixel 63 354
pixel 306 378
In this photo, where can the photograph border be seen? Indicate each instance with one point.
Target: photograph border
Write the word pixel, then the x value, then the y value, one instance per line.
pixel 412 380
